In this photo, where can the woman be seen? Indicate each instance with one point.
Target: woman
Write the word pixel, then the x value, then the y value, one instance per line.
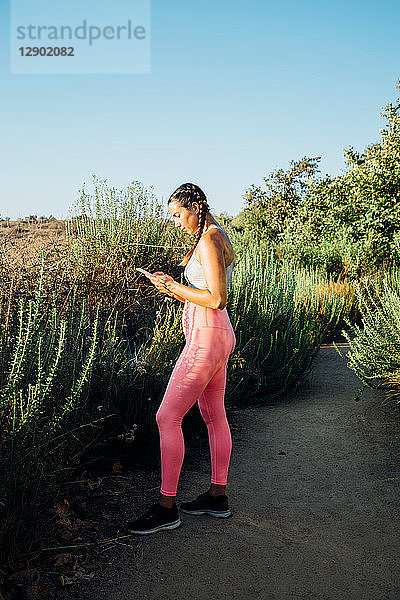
pixel 200 371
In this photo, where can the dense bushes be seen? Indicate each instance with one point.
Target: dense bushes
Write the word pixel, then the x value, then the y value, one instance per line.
pixel 374 353
pixel 349 224
pixel 48 354
pixel 83 360
pixel 277 338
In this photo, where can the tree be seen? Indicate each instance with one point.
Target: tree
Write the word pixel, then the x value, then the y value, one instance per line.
pixel 273 207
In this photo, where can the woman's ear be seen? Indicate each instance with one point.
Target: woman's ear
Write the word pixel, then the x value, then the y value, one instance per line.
pixel 196 207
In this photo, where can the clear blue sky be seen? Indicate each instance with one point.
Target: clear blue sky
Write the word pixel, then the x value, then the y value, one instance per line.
pixel 236 89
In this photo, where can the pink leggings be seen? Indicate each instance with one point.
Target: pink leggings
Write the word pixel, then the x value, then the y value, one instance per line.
pixel 199 375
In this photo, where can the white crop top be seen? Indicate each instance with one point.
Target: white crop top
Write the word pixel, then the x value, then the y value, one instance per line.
pixel 194 272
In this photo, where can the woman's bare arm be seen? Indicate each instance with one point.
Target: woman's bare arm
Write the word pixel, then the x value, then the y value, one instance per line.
pixel 211 254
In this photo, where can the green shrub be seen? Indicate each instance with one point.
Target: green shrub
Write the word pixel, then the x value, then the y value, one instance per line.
pixel 48 354
pixel 374 353
pixel 349 223
pixel 329 300
pixel 277 339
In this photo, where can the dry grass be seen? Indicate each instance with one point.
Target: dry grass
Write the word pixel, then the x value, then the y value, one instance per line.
pixel 22 242
pixel 22 250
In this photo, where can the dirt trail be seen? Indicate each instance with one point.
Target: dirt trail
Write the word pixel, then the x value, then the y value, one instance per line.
pixel 314 488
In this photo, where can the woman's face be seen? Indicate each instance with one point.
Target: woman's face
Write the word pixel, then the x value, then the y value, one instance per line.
pixel 186 219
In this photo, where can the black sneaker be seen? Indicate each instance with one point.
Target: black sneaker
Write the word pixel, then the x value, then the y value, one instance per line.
pixel 205 504
pixel 156 518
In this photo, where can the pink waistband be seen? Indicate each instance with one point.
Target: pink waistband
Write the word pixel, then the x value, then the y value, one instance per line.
pixel 202 316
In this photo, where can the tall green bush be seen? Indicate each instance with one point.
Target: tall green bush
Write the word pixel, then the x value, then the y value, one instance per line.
pixel 348 223
pixel 374 353
pixel 277 339
pixel 48 354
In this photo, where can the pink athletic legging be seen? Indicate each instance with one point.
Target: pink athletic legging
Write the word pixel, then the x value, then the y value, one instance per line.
pixel 199 375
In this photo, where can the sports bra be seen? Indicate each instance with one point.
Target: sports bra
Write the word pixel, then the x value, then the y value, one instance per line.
pixel 194 272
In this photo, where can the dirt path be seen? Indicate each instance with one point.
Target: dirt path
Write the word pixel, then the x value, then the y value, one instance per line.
pixel 314 488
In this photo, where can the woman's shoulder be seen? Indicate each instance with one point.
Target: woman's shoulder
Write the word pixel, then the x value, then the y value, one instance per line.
pixel 212 236
pixel 216 237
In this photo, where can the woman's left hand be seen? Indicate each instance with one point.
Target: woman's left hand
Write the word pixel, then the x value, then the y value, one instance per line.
pixel 162 282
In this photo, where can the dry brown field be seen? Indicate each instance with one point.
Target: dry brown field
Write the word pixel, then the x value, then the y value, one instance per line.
pixel 23 229
pixel 21 243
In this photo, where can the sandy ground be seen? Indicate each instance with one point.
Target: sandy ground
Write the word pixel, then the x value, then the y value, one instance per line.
pixel 314 490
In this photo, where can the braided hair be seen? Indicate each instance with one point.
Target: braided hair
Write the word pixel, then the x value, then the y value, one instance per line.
pixel 185 195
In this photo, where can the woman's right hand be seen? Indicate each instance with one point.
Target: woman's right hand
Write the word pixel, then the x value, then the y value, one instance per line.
pixel 155 280
pixel 161 287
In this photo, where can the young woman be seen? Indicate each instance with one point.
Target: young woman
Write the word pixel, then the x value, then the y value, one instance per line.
pixel 200 371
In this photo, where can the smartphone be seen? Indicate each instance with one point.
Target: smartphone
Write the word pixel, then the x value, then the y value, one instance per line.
pixel 147 273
